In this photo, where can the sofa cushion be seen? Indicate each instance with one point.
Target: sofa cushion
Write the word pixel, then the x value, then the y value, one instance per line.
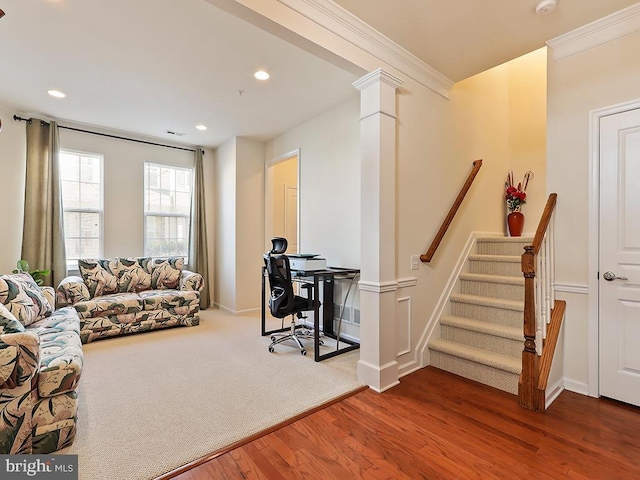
pixel 165 273
pixel 134 274
pixel 22 297
pixel 100 276
pixel 8 322
pixel 169 299
pixel 62 320
pixel 116 304
pixel 60 363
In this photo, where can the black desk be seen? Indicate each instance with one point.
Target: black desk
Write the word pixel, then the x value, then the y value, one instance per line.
pixel 327 279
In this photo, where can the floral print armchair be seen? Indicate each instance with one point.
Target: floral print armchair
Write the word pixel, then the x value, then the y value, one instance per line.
pixel 131 294
pixel 40 365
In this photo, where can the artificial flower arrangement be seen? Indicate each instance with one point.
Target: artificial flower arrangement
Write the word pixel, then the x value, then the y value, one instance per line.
pixel 516 196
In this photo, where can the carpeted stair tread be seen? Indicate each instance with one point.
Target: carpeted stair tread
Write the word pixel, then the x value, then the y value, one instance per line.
pixel 477 355
pixel 480 326
pixel 488 301
pixel 528 240
pixel 484 277
pixel 478 257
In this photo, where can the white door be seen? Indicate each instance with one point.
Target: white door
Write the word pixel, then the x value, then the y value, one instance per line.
pixel 291 217
pixel 619 263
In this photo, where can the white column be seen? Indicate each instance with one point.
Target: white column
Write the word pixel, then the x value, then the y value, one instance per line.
pixel 378 367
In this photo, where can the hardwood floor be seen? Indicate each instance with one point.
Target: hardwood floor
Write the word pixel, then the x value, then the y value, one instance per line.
pixel 438 426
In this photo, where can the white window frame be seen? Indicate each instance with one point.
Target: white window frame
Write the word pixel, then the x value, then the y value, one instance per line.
pixel 148 164
pixel 72 264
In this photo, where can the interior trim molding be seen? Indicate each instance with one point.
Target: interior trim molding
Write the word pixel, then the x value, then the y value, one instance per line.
pixel 572 288
pixel 407 282
pixel 347 26
pixel 578 387
pixel 378 287
pixel 596 33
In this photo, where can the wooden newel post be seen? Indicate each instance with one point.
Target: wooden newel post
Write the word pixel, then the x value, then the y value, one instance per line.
pixel 529 376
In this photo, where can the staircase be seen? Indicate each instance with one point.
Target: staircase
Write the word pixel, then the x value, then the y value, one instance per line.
pixel 482 336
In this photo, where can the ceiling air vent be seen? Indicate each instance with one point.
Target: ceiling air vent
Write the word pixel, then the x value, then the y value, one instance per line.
pixel 177 134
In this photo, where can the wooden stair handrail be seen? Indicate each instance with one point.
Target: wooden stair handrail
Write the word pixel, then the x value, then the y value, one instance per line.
pixel 544 222
pixel 426 257
pixel 535 370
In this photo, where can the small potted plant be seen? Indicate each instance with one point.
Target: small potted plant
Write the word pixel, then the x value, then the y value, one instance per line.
pixel 516 196
pixel 37 275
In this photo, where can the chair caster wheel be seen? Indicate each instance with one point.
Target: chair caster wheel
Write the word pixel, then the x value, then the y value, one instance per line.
pixel 321 342
pixel 273 338
pixel 303 352
pixel 270 349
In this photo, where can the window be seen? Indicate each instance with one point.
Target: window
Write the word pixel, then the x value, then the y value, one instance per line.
pixel 167 210
pixel 82 187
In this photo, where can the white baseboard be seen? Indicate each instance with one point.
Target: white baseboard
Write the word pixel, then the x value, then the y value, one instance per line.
pixel 553 392
pixel 576 387
pixel 422 347
pixel 235 312
pixel 377 378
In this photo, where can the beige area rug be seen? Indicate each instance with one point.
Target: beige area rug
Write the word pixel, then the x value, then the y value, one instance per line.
pixel 152 402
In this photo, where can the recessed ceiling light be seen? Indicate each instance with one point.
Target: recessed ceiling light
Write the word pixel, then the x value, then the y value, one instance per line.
pixel 261 75
pixel 56 93
pixel 201 127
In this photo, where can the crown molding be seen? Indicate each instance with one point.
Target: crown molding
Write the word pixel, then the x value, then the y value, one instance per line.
pixel 601 31
pixel 347 26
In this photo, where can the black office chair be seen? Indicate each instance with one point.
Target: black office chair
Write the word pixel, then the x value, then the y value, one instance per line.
pixel 282 299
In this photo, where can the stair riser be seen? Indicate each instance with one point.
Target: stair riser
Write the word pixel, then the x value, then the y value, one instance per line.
pixel 513 318
pixel 501 248
pixel 493 377
pixel 502 345
pixel 495 290
pixel 495 268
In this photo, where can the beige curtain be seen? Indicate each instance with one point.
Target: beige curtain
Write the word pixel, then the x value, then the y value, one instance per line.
pixel 43 232
pixel 198 255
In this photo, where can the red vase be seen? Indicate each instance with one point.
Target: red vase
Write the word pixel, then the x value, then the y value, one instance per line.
pixel 515 221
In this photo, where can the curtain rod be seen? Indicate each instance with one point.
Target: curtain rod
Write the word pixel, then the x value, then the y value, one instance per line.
pixel 28 120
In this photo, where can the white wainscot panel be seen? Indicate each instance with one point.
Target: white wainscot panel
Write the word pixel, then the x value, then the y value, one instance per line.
pixel 403 325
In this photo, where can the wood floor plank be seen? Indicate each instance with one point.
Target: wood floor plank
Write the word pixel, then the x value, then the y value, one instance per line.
pixel 439 426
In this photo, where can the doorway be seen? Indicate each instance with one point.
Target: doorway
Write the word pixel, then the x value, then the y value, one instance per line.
pixel 619 257
pixel 282 202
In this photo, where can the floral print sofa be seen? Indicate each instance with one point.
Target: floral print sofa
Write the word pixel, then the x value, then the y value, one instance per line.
pixel 130 295
pixel 40 366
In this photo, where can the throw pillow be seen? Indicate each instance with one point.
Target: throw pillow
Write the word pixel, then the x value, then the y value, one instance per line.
pixel 166 273
pixel 23 298
pixel 8 322
pixel 99 276
pixel 135 274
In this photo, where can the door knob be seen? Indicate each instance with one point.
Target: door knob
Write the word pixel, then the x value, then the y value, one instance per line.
pixel 610 277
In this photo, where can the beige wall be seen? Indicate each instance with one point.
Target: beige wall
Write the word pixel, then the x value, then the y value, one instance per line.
pixel 13 151
pixel 225 237
pixel 599 77
pixel 123 180
pixel 280 176
pixel 123 185
pixel 329 190
pixel 249 222
pixel 239 193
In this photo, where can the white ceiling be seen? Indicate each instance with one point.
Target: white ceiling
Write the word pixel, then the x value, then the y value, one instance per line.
pixel 147 66
pixel 460 38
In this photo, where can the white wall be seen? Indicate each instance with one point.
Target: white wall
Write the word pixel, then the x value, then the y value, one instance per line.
pixel 239 190
pixel 123 185
pixel 123 181
pixel 13 161
pixel 225 239
pixel 249 222
pixel 599 77
pixel 329 189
